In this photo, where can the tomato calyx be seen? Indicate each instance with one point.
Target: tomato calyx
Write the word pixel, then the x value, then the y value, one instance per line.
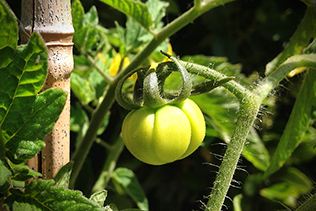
pixel 148 90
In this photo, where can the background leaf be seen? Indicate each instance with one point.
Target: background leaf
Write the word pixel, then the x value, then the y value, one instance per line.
pixel 297 123
pixel 99 197
pixel 255 151
pixel 136 10
pixel 127 179
pixel 23 173
pixel 5 173
pixel 62 177
pixel 300 39
pixel 8 28
pixel 291 184
pixel 41 195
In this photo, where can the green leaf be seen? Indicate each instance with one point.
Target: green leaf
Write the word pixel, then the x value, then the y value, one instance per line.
pixel 111 207
pixel 297 123
pixel 78 118
pixel 42 195
pixel 99 197
pixel 23 173
pixel 294 183
pixel 8 29
pixel 20 81
pixel 136 10
pixel 282 192
pixel 300 40
pixel 82 88
pixel 237 202
pixel 79 121
pixel 77 13
pixel 220 107
pixel 87 37
pixel 62 177
pixel 298 180
pixel 5 173
pixel 98 83
pixel 27 139
pixel 255 151
pixel 127 179
pixel 157 10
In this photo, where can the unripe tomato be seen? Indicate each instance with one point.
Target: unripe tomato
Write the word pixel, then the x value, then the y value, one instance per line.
pixel 162 135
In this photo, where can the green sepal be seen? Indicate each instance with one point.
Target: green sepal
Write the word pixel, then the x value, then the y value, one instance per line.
pixel 121 98
pixel 186 81
pixel 138 86
pixel 151 92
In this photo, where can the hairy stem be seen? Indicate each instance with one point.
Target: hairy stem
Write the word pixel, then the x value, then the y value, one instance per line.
pixel 246 116
pixel 249 107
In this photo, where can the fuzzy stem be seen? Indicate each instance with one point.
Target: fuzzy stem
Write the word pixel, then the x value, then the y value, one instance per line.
pixel 246 116
pixel 85 144
pixel 249 107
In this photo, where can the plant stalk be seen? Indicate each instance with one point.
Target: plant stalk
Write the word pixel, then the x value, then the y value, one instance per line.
pixel 246 116
pixel 249 107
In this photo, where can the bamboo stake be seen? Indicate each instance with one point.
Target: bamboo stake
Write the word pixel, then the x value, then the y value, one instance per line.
pixel 52 19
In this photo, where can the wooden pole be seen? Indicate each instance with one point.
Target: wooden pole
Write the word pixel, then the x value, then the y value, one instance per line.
pixel 52 19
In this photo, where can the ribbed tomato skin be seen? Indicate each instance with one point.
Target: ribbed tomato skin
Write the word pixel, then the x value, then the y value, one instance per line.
pixel 162 135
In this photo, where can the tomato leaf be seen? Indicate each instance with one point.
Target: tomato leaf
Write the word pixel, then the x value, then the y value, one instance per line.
pixel 99 197
pixel 26 140
pixel 82 88
pixel 42 195
pixel 127 179
pixel 23 173
pixel 20 81
pixel 77 13
pixel 136 10
pixel 221 107
pixel 87 36
pixel 300 39
pixel 255 151
pixel 62 177
pixel 5 173
pixel 9 30
pixel 296 125
pixel 293 184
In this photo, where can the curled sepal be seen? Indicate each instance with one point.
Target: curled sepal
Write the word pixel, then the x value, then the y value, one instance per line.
pixel 138 87
pixel 186 81
pixel 121 98
pixel 151 92
pixel 207 86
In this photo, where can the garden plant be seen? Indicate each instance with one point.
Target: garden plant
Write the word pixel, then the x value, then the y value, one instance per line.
pixel 150 130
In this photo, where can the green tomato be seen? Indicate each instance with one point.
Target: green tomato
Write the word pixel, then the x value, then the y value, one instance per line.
pixel 162 135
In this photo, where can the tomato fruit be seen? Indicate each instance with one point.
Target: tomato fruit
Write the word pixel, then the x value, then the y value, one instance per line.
pixel 165 134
